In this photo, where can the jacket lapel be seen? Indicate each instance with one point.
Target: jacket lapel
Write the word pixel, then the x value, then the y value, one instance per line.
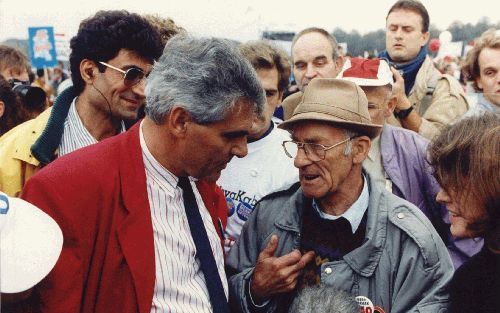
pixel 135 234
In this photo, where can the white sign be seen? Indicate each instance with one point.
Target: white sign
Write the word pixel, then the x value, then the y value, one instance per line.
pixel 62 47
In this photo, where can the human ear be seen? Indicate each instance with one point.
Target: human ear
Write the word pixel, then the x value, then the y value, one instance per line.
pixel 391 105
pixel 360 148
pixel 2 108
pixel 178 121
pixel 88 71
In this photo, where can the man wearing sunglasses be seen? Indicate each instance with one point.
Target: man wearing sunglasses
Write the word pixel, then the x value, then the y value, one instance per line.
pixel 337 228
pixel 111 54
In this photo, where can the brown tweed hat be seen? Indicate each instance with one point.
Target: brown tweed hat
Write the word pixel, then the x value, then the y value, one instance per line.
pixel 336 101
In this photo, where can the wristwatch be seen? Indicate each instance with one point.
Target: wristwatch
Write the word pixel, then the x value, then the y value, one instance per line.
pixel 402 114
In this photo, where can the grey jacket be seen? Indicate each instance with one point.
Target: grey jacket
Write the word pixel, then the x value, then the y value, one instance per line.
pixel 402 266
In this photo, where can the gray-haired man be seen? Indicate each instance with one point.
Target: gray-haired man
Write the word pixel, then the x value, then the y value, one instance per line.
pixel 363 239
pixel 141 220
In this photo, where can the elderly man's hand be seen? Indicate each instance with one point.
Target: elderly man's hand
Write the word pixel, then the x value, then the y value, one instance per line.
pixel 398 90
pixel 274 275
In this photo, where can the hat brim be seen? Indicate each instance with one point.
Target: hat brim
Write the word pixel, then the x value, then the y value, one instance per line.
pixel 30 244
pixel 370 130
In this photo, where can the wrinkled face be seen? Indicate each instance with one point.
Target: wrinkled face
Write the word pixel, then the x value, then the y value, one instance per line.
pixel 489 74
pixel 209 147
pixel 124 101
pixel 404 36
pixel 313 57
pixel 269 79
pixel 377 103
pixel 323 178
pixel 456 206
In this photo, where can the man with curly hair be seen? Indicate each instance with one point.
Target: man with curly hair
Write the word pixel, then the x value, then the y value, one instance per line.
pixel 111 55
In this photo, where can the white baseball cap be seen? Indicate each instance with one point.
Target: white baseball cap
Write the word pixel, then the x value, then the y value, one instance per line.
pixel 30 244
pixel 367 72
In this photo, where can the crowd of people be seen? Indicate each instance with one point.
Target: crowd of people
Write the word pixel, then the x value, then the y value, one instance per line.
pixel 174 173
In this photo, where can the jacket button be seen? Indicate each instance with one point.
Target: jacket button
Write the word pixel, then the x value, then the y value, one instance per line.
pixel 328 270
pixel 401 215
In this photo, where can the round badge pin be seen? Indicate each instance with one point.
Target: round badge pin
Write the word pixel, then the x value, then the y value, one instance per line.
pixel 365 304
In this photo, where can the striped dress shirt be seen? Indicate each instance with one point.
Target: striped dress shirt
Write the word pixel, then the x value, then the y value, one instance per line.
pixel 75 134
pixel 179 284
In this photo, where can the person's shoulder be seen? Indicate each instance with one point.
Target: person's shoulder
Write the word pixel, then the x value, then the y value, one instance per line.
pixel 280 199
pixel 282 195
pixel 31 128
pixel 88 161
pixel 410 220
pixel 403 135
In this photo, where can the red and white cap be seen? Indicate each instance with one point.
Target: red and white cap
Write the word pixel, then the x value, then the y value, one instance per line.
pixel 367 72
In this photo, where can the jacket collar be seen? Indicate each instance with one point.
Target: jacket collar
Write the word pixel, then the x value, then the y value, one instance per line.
pixel 363 260
pixel 135 234
pixel 46 145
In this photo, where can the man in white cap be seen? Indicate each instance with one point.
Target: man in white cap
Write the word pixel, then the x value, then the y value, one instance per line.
pixel 397 150
pixel 363 239
pixel 30 244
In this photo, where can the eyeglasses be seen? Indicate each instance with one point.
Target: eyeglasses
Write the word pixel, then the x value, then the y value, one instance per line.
pixel 131 77
pixel 314 151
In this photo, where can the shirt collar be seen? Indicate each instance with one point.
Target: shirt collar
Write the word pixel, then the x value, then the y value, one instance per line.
pixel 155 170
pixel 353 214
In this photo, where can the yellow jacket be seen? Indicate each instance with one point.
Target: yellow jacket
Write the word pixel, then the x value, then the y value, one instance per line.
pixel 17 164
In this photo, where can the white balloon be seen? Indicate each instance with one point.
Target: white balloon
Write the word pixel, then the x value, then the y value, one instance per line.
pixel 445 37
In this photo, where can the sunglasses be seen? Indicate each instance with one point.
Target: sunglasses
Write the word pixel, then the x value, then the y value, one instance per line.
pixel 131 77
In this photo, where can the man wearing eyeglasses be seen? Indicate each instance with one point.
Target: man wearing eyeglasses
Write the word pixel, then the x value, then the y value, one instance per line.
pixel 339 227
pixel 111 54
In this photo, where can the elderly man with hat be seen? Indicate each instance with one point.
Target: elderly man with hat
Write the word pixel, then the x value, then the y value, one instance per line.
pixel 398 157
pixel 337 227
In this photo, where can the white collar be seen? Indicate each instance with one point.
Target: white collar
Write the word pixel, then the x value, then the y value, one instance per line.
pixel 353 214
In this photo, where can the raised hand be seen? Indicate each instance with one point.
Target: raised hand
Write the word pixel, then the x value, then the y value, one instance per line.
pixel 273 275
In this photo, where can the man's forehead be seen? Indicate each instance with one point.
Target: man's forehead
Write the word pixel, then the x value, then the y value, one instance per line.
pixel 488 56
pixel 404 18
pixel 128 58
pixel 313 45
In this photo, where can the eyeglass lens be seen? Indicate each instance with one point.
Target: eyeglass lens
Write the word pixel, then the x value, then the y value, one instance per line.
pixel 133 76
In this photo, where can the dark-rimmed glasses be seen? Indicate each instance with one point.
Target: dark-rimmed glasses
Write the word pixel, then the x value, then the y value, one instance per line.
pixel 131 77
pixel 314 151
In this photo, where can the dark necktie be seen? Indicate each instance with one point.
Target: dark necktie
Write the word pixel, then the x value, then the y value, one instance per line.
pixel 203 249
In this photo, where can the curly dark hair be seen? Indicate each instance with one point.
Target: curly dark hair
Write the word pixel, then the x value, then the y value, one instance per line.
pixel 103 35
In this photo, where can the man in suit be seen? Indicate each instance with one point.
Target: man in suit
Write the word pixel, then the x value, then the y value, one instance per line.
pixel 140 214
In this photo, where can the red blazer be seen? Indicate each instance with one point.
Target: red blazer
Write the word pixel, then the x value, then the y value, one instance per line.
pixel 98 197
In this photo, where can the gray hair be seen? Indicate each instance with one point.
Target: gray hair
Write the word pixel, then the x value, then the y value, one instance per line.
pixel 324 299
pixel 205 76
pixel 349 134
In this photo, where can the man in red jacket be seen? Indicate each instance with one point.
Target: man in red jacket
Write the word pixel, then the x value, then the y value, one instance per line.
pixel 141 218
